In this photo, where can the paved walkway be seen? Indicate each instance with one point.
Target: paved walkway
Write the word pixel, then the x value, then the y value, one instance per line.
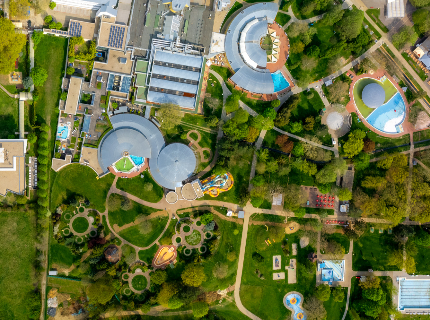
pixel 305 140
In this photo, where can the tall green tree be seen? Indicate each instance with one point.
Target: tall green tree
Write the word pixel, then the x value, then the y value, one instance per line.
pixel 405 36
pixel 193 275
pixel 355 143
pixel 350 25
pixel 11 45
pixel 334 15
pixel 101 291
pixel 169 116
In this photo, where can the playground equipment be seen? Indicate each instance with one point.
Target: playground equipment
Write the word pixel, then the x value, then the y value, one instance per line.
pixel 216 184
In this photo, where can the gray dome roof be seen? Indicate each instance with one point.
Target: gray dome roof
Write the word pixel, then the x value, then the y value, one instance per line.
pixel 334 120
pixel 120 140
pixel 373 95
pixel 175 163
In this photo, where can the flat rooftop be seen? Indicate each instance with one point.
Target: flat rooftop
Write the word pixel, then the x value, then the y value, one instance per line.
pixel 112 36
pixel 114 65
pixel 73 95
pixel 12 165
pixel 86 30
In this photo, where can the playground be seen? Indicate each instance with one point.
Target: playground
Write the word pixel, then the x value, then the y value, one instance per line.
pixel 216 184
pixel 293 301
pixel 15 77
pixel 164 256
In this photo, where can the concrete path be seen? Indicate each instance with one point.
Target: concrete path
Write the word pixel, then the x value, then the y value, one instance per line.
pixel 305 140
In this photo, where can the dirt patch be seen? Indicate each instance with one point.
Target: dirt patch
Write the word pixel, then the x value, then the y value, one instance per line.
pixel 304 242
pixel 292 227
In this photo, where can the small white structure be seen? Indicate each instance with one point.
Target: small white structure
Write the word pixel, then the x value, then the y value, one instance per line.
pixel 221 4
pixel 277 199
pixel 52 272
pixel 217 43
pixel 395 9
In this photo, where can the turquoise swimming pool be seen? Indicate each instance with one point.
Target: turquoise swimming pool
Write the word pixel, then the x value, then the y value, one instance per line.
pixel 62 132
pixel 293 302
pixel 279 81
pixel 137 160
pixel 388 117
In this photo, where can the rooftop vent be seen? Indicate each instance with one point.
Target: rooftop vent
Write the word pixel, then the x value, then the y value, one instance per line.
pixel 123 60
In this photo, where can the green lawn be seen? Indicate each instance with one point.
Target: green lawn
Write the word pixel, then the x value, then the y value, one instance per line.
pixel 415 66
pixel 9 115
pixel 339 238
pixel 334 309
pixel 212 104
pixel 236 6
pixel 390 90
pixel 371 251
pixel 136 187
pixel 80 225
pixel 121 217
pixel 134 236
pixel 67 285
pixel 225 73
pixel 422 260
pixel 139 282
pixel 124 165
pixel 61 255
pixel 167 236
pixel 282 18
pixel 194 238
pixel 106 227
pixel 257 294
pixel 374 15
pixel 16 267
pixel 375 32
pixel 82 180
pixel 148 254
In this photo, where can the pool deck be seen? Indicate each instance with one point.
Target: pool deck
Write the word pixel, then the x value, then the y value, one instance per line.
pixel 283 49
pixel 129 174
pixel 351 107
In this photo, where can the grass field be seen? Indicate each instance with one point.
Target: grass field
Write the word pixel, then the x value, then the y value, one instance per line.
pixel 121 217
pixel 339 238
pixel 282 18
pixel 78 179
pixel 9 115
pixel 148 254
pixel 136 187
pixel 134 236
pixel 16 267
pixel 371 252
pixel 139 282
pixel 67 286
pixel 212 104
pixel 60 254
pixel 390 90
pixel 257 294
pixel 415 66
pixel 374 15
pixel 124 165
pixel 80 224
pixel 334 309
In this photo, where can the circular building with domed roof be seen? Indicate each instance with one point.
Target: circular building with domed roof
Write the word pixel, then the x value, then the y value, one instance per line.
pixel 373 95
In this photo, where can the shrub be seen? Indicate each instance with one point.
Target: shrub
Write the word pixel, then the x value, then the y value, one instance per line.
pixel 27 82
pixel 99 85
pixel 257 202
pixel 48 20
pixel 64 94
pixel 70 71
pixel 257 257
pixel 52 5
pixel 114 105
pixel 206 218
pixel 71 59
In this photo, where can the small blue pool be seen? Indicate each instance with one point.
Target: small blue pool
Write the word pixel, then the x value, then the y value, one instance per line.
pixel 293 302
pixel 86 124
pixel 279 81
pixel 137 160
pixel 62 132
pixel 389 116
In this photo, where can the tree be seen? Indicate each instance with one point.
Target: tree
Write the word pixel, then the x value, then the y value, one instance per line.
pixel 158 277
pixel 369 145
pixel 114 202
pixel 313 51
pixel 296 127
pixel 338 90
pixel 52 5
pixel 284 143
pixel 420 3
pixel 334 15
pixel 175 302
pixel 193 275
pixel 234 130
pixel 371 282
pixel 232 103
pixel 385 163
pixel 297 47
pixel 297 28
pixel 145 226
pixel 338 294
pixel 345 194
pixel 27 82
pixel 294 197
pixel 206 218
pixel 308 63
pixel 126 204
pixel 270 112
pixel 39 76
pixel 18 8
pixel 31 137
pixel 145 308
pixel 275 103
pixel 350 25
pixel 170 116
pixel 309 123
pixel 200 309
pixel 283 116
pixel 220 270
pixel 58 25
pixel 298 150
pixel 410 264
pixel 361 161
pixel 332 249
pixel 100 291
pixel 212 121
pixel 253 134
pixel 322 292
pixel 10 45
pixel 168 290
pixel 48 20
pixel 370 182
pixel 52 25
pixel 241 116
pixel 421 19
pixel 262 123
pixel 355 143
pixel 406 35
pixel 315 308
pixel 397 174
pixel 422 238
pixel 70 70
pixel 21 199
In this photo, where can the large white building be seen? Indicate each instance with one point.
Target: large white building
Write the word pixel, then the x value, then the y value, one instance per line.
pixel 103 7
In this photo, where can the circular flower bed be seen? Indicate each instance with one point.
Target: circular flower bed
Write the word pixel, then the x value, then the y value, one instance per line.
pixel 81 209
pixel 126 291
pixel 208 235
pixel 79 240
pixel 202 249
pixel 139 282
pixel 126 276
pixel 187 229
pixel 80 225
pixel 188 252
pixel 66 231
pixel 93 233
pixel 67 216
pixel 194 238
pixel 198 223
pixel 178 239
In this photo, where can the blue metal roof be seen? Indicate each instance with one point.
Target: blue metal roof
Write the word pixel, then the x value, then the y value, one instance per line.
pixel 179 58
pixel 184 74
pixel 160 97
pixel 254 81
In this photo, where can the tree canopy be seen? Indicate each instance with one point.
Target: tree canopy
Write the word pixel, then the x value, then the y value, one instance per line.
pixel 169 116
pixel 10 45
pixel 101 291
pixel 39 76
pixel 349 27
pixel 193 275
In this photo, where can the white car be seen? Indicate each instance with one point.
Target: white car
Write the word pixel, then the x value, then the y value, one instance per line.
pixel 333 141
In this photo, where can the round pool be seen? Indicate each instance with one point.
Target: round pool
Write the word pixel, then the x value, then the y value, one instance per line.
pixel 293 301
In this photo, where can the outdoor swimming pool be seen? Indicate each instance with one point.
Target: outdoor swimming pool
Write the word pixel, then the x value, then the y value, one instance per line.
pixel 414 294
pixel 389 116
pixel 137 160
pixel 293 302
pixel 86 124
pixel 62 132
pixel 279 81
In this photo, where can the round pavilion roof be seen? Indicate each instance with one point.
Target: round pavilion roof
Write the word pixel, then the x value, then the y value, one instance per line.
pixel 334 120
pixel 373 95
pixel 176 162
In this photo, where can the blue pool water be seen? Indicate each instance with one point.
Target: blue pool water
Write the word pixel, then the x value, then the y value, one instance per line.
pixel 299 314
pixel 62 132
pixel 137 160
pixel 279 81
pixel 389 116
pixel 86 124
